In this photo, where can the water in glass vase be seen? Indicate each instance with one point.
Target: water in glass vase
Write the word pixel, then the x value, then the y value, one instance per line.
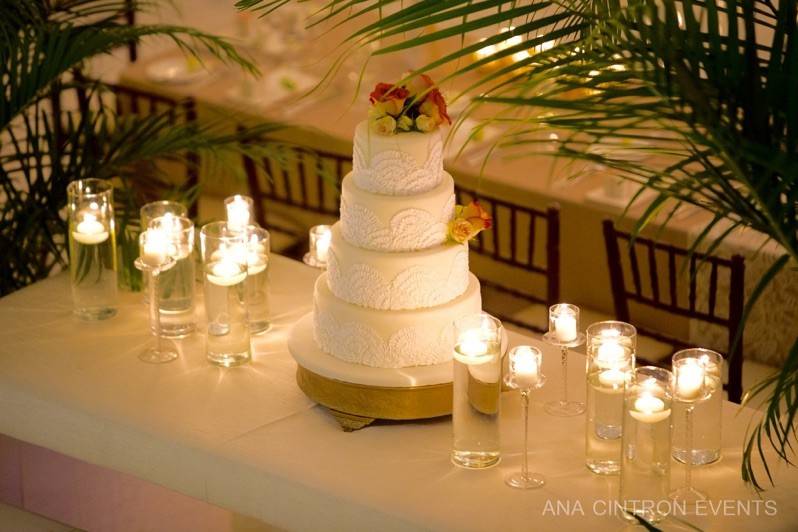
pixel 475 407
pixel 706 423
pixel 176 287
pixel 257 287
pixel 92 268
pixel 228 342
pixel 604 420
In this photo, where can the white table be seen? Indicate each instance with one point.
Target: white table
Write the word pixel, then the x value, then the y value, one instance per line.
pixel 249 441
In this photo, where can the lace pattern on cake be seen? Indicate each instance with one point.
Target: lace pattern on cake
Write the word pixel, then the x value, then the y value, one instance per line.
pixel 395 173
pixel 408 230
pixel 413 288
pixel 360 344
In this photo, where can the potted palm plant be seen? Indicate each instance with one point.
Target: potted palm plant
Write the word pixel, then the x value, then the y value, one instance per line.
pixel 708 86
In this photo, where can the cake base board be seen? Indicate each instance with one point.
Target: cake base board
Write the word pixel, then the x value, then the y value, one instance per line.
pixel 357 395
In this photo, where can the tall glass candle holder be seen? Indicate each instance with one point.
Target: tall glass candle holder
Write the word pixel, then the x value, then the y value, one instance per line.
pixel 319 238
pixel 564 333
pixel 151 211
pixel 176 285
pixel 706 414
pixel 257 283
pixel 476 391
pixel 224 256
pixel 646 448
pixel 696 387
pixel 153 260
pixel 239 212
pixel 611 349
pixel 525 374
pixel 92 248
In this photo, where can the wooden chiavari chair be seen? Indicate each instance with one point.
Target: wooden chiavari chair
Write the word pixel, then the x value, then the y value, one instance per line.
pixel 503 245
pixel 647 289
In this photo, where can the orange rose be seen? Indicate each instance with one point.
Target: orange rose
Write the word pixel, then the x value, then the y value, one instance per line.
pixel 477 216
pixel 390 97
pixel 418 84
pixel 436 98
pixel 468 222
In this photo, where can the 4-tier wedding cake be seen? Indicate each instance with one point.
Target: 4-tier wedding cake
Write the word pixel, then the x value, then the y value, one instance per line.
pixel 397 272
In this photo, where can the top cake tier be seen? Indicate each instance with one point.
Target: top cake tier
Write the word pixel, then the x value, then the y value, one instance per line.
pixel 397 165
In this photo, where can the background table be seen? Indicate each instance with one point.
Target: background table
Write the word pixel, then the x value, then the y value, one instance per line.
pixel 187 443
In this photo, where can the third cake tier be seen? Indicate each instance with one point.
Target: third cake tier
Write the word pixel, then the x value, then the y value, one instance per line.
pixel 398 280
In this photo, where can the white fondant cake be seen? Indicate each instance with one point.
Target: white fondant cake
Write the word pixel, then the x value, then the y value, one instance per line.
pixel 398 165
pixel 389 338
pixel 395 281
pixel 394 223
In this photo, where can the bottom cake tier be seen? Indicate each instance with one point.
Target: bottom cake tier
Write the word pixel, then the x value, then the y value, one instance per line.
pixel 388 338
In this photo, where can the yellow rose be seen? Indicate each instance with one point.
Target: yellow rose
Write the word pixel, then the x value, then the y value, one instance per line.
pixel 431 110
pixel 385 125
pixel 404 123
pixel 425 124
pixel 460 230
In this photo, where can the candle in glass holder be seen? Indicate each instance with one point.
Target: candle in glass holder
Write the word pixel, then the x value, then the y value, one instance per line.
pixel 610 350
pixel 525 366
pixel 698 385
pixel 320 237
pixel 239 212
pixel 646 442
pixel 92 248
pixel 476 390
pixel 156 248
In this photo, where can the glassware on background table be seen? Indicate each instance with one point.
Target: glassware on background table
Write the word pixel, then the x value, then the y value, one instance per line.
pixel 154 259
pixel 476 391
pixel 257 283
pixel 564 332
pixel 646 448
pixel 611 349
pixel 92 248
pixel 176 291
pixel 151 211
pixel 697 387
pixel 319 246
pixel 707 413
pixel 224 256
pixel 525 374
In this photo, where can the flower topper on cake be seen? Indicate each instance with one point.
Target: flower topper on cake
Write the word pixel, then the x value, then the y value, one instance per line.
pixel 468 221
pixel 416 105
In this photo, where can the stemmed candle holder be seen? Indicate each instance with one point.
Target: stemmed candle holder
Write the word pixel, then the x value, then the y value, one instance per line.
pixel 154 258
pixel 564 333
pixel 525 375
pixel 690 377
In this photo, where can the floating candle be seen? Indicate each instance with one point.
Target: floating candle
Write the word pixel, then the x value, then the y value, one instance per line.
pixel 89 230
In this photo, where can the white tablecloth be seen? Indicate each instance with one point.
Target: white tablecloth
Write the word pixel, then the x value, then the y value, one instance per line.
pixel 247 439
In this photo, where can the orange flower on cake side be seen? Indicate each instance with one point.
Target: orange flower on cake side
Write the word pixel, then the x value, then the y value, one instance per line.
pixel 468 221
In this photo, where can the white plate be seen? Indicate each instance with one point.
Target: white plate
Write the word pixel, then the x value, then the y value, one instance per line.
pixel 277 85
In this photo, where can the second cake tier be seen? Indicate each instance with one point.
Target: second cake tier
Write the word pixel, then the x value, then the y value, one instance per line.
pixel 396 223
pixel 399 280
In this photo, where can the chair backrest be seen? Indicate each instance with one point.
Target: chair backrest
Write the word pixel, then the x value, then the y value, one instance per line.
pixel 513 241
pixel 647 289
pixel 129 100
pixel 302 180
pixel 130 18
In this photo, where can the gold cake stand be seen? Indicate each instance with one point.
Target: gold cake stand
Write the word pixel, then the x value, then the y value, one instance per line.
pixel 357 395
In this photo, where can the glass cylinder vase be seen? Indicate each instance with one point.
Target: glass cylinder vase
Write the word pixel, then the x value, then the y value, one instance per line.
pixel 257 284
pixel 92 248
pixel 646 445
pixel 176 292
pixel 706 411
pixel 611 349
pixel 476 391
pixel 224 257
